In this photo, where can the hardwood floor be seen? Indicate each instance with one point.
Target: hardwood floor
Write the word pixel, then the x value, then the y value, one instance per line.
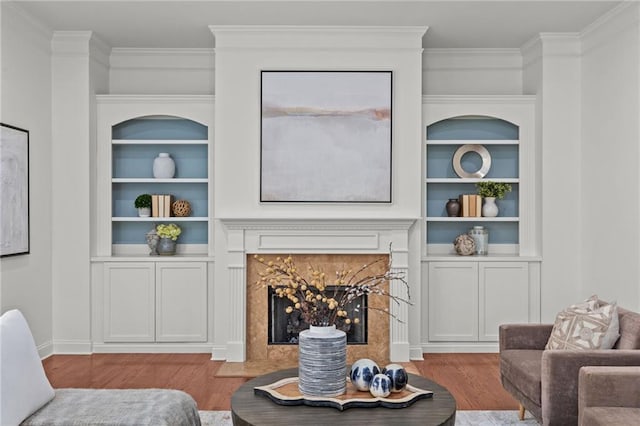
pixel 473 379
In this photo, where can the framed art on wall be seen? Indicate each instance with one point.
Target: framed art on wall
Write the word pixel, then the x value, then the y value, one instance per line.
pixel 14 190
pixel 326 136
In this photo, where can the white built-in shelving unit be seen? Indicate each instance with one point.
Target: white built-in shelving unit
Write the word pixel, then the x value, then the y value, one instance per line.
pixel 144 303
pixel 468 297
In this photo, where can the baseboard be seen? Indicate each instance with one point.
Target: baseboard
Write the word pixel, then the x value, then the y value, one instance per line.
pixel 45 350
pixel 457 347
pixel 151 348
pixel 72 347
pixel 415 353
pixel 219 353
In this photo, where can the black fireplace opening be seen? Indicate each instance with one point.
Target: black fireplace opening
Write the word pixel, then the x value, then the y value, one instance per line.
pixel 284 328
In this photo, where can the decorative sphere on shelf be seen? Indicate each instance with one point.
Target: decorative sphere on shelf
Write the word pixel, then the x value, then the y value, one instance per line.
pixel 181 208
pixel 464 245
pixel 362 372
pixel 380 386
pixel 398 376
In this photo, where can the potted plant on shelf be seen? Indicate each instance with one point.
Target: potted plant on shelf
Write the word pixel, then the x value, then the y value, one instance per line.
pixel 143 204
pixel 168 235
pixel 490 190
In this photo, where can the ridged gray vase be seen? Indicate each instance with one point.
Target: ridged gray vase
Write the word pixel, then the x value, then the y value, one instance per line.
pixel 322 361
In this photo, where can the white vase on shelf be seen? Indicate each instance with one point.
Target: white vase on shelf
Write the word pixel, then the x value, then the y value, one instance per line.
pixel 490 208
pixel 163 166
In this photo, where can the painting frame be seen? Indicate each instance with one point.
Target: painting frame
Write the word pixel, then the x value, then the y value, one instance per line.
pixel 14 191
pixel 326 136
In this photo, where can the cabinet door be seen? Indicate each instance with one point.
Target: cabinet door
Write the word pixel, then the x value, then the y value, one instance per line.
pixel 181 302
pixel 504 296
pixel 129 302
pixel 453 301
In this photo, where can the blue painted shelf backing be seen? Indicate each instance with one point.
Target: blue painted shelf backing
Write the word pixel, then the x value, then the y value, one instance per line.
pixel 474 128
pixel 439 193
pixel 504 161
pixel 136 161
pixel 504 164
pixel 134 232
pixel 446 232
pixel 159 127
pixel 124 195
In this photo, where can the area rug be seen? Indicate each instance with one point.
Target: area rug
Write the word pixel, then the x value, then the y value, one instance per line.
pixel 463 418
pixel 492 418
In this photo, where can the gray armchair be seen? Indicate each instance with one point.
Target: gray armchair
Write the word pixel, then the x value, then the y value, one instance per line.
pixel 609 396
pixel 545 382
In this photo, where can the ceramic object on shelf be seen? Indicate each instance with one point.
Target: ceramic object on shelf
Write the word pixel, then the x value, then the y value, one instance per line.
pixel 480 236
pixel 166 247
pixel 397 375
pixel 322 361
pixel 490 208
pixel 380 386
pixel 144 211
pixel 163 166
pixel 453 207
pixel 152 242
pixel 362 372
pixel 464 245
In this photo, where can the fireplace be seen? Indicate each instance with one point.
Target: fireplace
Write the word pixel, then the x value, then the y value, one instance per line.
pixel 341 240
pixel 375 343
pixel 284 328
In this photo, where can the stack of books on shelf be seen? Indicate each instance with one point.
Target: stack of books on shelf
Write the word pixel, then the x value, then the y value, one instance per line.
pixel 161 205
pixel 470 205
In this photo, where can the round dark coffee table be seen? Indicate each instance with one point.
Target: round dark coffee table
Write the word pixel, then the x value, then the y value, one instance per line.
pixel 250 409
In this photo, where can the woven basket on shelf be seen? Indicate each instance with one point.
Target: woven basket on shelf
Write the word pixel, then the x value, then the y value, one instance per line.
pixel 181 208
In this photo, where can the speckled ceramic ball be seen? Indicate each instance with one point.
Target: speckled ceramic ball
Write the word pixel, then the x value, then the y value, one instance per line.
pixel 398 376
pixel 362 372
pixel 380 386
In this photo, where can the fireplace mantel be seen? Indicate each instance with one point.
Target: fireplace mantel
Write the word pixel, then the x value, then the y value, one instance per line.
pixel 319 223
pixel 332 235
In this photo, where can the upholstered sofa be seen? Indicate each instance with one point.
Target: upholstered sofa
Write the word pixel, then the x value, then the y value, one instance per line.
pixel 609 396
pixel 545 382
pixel 27 398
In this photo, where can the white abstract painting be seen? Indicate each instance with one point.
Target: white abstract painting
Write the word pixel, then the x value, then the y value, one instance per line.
pixel 326 136
pixel 14 191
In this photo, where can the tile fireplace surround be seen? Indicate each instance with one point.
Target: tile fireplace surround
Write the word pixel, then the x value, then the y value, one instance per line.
pixel 246 237
pixel 377 346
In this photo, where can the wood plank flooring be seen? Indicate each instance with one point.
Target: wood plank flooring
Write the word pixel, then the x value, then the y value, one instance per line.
pixel 473 379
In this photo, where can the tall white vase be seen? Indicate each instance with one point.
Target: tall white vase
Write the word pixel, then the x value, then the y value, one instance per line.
pixel 322 361
pixel 163 166
pixel 490 208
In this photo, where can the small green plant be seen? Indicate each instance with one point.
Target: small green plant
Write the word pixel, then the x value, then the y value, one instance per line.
pixel 488 188
pixel 143 200
pixel 172 231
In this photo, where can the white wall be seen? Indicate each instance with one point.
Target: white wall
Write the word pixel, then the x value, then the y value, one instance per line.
pixel 588 129
pixel 610 175
pixel 237 128
pixel 552 72
pixel 472 71
pixel 161 71
pixel 25 90
pixel 241 52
